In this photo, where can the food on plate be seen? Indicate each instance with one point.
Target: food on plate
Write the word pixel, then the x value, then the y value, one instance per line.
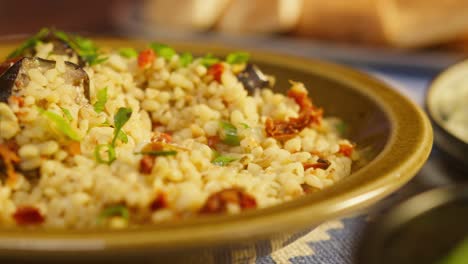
pixel 453 109
pixel 91 136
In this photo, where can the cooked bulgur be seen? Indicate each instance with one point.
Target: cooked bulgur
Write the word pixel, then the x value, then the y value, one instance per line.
pixel 124 137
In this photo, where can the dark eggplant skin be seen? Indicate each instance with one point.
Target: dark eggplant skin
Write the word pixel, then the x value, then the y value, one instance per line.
pixel 14 76
pixel 253 78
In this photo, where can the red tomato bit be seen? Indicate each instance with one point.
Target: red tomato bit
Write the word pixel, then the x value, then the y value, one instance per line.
pixel 147 164
pixel 308 115
pixel 146 57
pixel 346 149
pixel 159 202
pixel 28 215
pixel 216 70
pixel 218 202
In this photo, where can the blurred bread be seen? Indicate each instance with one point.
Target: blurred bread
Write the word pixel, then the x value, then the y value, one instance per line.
pixel 260 16
pixel 184 14
pixel 414 23
pixel 351 21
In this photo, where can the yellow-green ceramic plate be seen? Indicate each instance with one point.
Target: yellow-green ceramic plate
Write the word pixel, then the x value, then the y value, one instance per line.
pixel 393 133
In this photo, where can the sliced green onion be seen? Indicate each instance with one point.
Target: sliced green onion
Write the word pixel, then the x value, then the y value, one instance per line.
pixel 158 153
pixel 223 160
pixel 67 114
pixel 115 210
pixel 185 59
pixel 163 50
pixel 61 124
pixel 109 148
pixel 128 53
pixel 29 43
pixel 244 125
pixel 238 57
pixel 229 136
pixel 209 60
pixel 101 100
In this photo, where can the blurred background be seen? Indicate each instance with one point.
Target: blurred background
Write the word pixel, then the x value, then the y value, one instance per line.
pixel 432 33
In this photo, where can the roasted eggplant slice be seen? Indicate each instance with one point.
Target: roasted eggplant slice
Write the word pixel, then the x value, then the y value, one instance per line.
pixel 253 78
pixel 16 77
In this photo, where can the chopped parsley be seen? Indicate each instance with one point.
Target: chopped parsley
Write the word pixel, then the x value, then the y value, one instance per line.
pixel 237 57
pixel 120 119
pixel 185 59
pixel 163 50
pixel 208 60
pixel 128 53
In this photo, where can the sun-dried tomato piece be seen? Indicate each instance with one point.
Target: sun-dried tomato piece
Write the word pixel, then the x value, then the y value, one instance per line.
pixel 28 215
pixel 8 159
pixel 146 164
pixel 159 202
pixel 146 57
pixel 18 100
pixel 286 129
pixel 218 202
pixel 213 141
pixel 320 164
pixel 301 99
pixel 308 115
pixel 216 70
pixel 346 149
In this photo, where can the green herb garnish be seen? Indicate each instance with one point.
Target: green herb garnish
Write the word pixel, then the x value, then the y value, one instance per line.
pixel 341 127
pixel 163 50
pixel 109 148
pixel 128 53
pixel 122 136
pixel 238 57
pixel 61 124
pixel 67 114
pixel 209 60
pixel 29 43
pixel 185 59
pixel 120 119
pixel 85 48
pixel 101 96
pixel 244 125
pixel 158 153
pixel 223 160
pixel 229 134
pixel 115 210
